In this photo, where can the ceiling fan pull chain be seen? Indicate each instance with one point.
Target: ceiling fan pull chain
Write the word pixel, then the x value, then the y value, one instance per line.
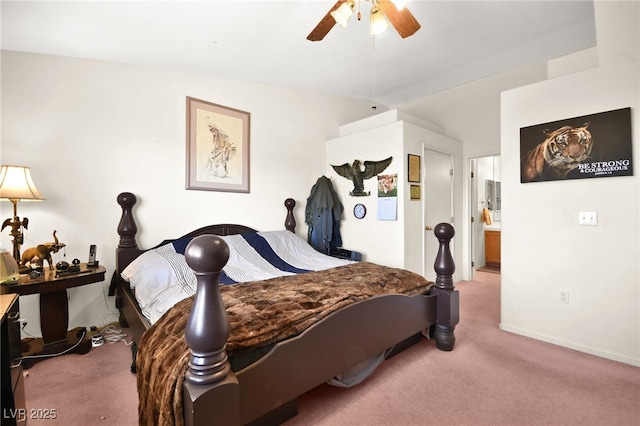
pixel 374 106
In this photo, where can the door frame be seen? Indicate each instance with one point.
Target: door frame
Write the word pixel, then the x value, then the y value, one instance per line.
pixel 470 201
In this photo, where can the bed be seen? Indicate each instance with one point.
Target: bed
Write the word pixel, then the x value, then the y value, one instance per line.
pixel 216 357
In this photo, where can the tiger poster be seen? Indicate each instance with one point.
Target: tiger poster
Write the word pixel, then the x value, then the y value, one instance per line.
pixel 591 146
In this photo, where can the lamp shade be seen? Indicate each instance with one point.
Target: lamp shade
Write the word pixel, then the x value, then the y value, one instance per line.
pixel 400 4
pixel 16 184
pixel 379 23
pixel 342 14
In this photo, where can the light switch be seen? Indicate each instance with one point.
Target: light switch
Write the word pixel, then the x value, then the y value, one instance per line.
pixel 588 218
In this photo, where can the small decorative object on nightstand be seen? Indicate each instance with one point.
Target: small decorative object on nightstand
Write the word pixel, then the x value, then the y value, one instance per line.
pixel 35 256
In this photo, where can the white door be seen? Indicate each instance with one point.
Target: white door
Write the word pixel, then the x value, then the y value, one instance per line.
pixel 438 200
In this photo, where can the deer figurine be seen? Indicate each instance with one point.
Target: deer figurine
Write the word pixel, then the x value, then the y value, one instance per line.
pixel 37 255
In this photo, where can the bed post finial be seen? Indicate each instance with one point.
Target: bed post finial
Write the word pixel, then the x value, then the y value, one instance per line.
pixel 127 228
pixel 448 302
pixel 207 328
pixel 290 222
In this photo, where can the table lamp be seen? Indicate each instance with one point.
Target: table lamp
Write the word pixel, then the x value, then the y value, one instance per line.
pixel 15 185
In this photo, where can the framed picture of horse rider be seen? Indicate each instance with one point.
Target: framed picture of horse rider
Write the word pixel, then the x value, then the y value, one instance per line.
pixel 217 147
pixel 590 146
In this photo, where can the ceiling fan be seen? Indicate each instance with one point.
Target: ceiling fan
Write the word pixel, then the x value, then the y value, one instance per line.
pixel 383 13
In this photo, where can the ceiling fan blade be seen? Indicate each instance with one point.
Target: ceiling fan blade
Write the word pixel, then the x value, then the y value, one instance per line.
pixel 325 24
pixel 402 20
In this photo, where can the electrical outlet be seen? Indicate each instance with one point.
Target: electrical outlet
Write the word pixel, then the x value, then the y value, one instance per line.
pixel 563 295
pixel 588 218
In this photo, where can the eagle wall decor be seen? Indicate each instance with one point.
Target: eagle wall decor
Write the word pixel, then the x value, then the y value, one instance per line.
pixel 355 173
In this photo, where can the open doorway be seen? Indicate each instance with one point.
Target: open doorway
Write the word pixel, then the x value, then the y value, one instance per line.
pixel 486 213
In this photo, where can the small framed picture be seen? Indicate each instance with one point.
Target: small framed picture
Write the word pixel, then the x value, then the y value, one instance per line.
pixel 413 166
pixel 414 191
pixel 217 147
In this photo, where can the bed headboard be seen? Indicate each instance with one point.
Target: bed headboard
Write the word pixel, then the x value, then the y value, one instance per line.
pixel 128 249
pixel 221 229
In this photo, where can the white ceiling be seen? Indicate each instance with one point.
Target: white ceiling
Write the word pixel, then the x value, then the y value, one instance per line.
pixel 265 41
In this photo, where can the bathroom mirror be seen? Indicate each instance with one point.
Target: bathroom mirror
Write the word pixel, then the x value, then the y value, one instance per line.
pixel 492 194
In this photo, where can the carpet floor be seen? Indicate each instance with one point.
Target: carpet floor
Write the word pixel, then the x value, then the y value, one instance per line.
pixel 490 268
pixel 92 389
pixel 491 378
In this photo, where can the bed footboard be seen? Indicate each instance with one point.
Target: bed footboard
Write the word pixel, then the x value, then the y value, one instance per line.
pixel 212 393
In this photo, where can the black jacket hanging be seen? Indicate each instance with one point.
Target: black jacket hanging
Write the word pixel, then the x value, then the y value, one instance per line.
pixel 323 214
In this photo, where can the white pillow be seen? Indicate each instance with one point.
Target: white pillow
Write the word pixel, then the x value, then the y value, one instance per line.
pixel 160 278
pixel 148 270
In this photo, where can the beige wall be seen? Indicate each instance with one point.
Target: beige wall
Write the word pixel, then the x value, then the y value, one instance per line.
pixel 401 242
pixel 90 130
pixel 543 248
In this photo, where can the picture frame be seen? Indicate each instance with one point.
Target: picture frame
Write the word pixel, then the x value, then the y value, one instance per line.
pixel 590 146
pixel 413 168
pixel 218 143
pixel 414 192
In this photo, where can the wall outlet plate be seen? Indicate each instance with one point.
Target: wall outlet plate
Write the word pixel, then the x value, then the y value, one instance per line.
pixel 563 296
pixel 588 218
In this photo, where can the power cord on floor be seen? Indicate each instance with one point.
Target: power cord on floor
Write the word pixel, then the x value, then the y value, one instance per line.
pixel 112 335
pixel 109 334
pixel 24 324
pixel 84 333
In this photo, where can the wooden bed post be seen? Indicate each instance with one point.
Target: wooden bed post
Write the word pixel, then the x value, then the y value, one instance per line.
pixel 127 228
pixel 448 299
pixel 290 221
pixel 209 381
pixel 127 248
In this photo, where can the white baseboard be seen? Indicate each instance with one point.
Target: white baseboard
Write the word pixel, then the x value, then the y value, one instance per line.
pixel 603 354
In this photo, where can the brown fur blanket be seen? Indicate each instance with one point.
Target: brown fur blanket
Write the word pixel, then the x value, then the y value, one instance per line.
pixel 260 313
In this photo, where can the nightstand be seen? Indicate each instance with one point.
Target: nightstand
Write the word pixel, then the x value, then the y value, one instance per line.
pixel 54 313
pixel 13 402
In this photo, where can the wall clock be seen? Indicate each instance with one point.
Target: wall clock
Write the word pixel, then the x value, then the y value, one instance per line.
pixel 359 211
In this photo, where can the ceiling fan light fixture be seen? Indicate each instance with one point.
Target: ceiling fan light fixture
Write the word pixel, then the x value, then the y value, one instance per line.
pixel 379 23
pixel 400 4
pixel 383 14
pixel 342 14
